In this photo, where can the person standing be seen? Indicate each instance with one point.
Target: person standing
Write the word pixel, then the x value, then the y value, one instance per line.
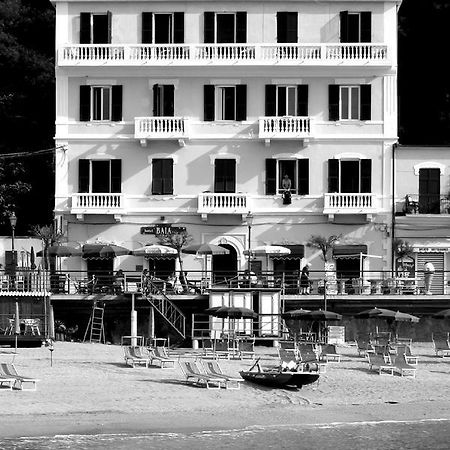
pixel 286 184
pixel 428 275
pixel 304 280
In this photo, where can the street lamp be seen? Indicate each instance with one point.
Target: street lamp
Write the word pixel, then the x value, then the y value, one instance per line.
pixel 13 222
pixel 249 218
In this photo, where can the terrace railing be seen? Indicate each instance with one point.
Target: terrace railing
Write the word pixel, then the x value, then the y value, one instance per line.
pixel 349 203
pixel 85 202
pixel 427 204
pixel 226 203
pixel 284 127
pixel 160 128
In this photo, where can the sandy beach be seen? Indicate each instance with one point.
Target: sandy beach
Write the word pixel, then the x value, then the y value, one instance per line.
pixel 89 390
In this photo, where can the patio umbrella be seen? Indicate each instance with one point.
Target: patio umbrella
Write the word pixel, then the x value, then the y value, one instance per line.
pixel 388 314
pixel 321 315
pixel 265 250
pixel 103 251
pixel 61 250
pixel 154 249
pixel 444 314
pixel 16 325
pixel 32 259
pixel 235 312
pixel 295 314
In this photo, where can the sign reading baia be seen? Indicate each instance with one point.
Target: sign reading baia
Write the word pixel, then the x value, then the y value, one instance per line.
pixel 164 229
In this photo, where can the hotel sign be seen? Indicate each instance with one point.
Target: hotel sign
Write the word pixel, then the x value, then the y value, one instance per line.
pixel 162 229
pixel 432 249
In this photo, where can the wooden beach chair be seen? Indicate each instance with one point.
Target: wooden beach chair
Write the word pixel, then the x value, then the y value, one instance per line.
pixel 208 348
pixel 364 347
pixel 405 350
pixel 329 353
pixel 380 363
pixel 161 357
pixel 20 382
pixel 441 344
pixel 134 359
pixel 402 367
pixel 213 369
pixel 246 348
pixel 221 349
pixel 308 357
pixel 194 376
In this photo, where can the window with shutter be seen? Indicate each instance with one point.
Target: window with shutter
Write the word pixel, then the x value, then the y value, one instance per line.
pixel 147 28
pixel 287 27
pixel 333 175
pixel 208 102
pixel 101 176
pixel 355 26
pixel 333 102
pixel 162 177
pixel 303 176
pixel 96 28
pixel 163 100
pixel 225 176
pixel 271 176
pixel 231 102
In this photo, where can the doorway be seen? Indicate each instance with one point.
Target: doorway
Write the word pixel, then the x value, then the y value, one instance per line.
pixel 102 269
pixel 348 269
pixel 429 191
pixel 349 176
pixel 224 267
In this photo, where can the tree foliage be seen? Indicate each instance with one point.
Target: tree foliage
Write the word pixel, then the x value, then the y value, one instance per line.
pixel 324 244
pixel 49 236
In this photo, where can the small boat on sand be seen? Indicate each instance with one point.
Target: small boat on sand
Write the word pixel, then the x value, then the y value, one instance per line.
pixel 279 376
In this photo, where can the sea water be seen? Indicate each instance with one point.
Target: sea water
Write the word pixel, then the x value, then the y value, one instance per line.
pixel 419 434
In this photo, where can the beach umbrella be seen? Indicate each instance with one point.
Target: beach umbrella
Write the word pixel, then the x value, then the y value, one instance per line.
pixel 32 259
pixel 295 314
pixel 444 314
pixel 388 314
pixel 212 311
pixel 154 249
pixel 103 251
pixel 321 315
pixel 235 312
pixel 265 250
pixel 61 250
pixel 16 325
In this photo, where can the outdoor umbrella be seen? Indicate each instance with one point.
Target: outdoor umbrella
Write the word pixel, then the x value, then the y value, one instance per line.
pixel 32 259
pixel 16 325
pixel 444 314
pixel 388 314
pixel 61 250
pixel 154 249
pixel 233 313
pixel 295 314
pixel 103 251
pixel 264 250
pixel 321 315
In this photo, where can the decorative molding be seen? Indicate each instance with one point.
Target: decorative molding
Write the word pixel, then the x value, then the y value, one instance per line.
pixel 164 81
pixel 212 158
pixel 163 156
pixel 225 81
pixel 100 82
pixel 286 81
pixel 429 165
pixel 350 155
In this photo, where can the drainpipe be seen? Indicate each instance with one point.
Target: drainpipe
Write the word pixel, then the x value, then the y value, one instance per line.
pixel 394 147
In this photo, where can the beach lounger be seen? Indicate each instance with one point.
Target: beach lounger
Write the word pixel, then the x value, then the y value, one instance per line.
pixel 161 357
pixel 402 367
pixel 329 353
pixel 364 347
pixel 288 345
pixel 380 363
pixel 9 371
pixel 134 359
pixel 221 349
pixel 213 369
pixel 246 348
pixel 194 376
pixel 405 350
pixel 9 381
pixel 308 357
pixel 208 348
pixel 441 345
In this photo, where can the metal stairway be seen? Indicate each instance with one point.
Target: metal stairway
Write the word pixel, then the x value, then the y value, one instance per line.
pixel 166 308
pixel 95 325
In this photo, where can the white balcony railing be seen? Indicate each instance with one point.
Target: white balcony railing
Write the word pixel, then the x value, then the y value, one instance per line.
pixel 284 127
pixel 222 54
pixel 97 203
pixel 160 128
pixel 213 203
pixel 349 203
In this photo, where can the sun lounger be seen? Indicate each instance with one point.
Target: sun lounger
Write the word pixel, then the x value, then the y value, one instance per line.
pixel 9 371
pixel 441 345
pixel 221 349
pixel 213 369
pixel 380 363
pixel 364 347
pixel 405 350
pixel 308 357
pixel 161 357
pixel 133 358
pixel 329 353
pixel 288 345
pixel 9 381
pixel 402 367
pixel 246 348
pixel 193 375
pixel 208 348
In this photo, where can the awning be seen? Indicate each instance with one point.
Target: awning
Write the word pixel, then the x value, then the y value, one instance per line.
pixel 297 252
pixel 168 256
pixel 349 251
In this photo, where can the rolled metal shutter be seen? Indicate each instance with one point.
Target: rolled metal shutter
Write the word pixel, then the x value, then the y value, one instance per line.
pixel 437 259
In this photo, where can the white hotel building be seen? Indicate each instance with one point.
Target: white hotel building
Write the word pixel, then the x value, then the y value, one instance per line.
pixel 190 113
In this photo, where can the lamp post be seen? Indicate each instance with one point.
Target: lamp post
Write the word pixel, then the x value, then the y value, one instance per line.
pixel 13 222
pixel 249 218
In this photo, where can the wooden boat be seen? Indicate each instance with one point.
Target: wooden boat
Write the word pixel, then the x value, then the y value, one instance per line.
pixel 277 377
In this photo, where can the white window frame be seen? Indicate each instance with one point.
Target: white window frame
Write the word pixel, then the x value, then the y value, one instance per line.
pixel 350 89
pixel 288 87
pixel 219 104
pixel 280 175
pixel 171 23
pixel 92 107
pixel 216 27
pixel 358 14
pixel 91 24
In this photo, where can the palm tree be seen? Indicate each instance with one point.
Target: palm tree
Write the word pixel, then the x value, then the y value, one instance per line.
pixel 49 236
pixel 402 248
pixel 324 244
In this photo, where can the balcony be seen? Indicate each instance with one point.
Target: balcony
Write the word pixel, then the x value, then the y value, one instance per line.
pixel 212 203
pixel 146 128
pixel 284 128
pixel 258 54
pixel 349 203
pixel 98 203
pixel 427 204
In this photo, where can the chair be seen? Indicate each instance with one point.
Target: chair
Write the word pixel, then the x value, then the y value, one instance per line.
pixel 246 348
pixel 4 282
pixel 208 348
pixel 194 376
pixel 221 349
pixel 405 350
pixel 133 359
pixel 441 344
pixel 7 380
pixel 160 355
pixel 402 367
pixel 308 356
pixel 329 353
pixel 364 347
pixel 288 345
pixel 213 369
pixel 380 363
pixel 9 371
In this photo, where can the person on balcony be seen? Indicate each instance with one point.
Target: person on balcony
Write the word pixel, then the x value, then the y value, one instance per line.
pixel 119 282
pixel 304 280
pixel 428 275
pixel 286 184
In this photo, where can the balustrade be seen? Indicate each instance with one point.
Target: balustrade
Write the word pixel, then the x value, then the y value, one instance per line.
pixel 284 127
pixel 213 203
pixel 352 202
pixel 88 201
pixel 152 127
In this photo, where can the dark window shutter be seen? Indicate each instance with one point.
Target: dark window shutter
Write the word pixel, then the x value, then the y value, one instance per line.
pixel 271 176
pixel 344 26
pixel 157 188
pixel 156 111
pixel 85 103
pixel 116 175
pixel 333 102
pixel 169 91
pixel 116 112
pixel 178 28
pixel 83 175
pixel 109 15
pixel 282 27
pixel 241 27
pixel 167 176
pixel 366 102
pixel 366 26
pixel 271 98
pixel 333 175
pixel 208 27
pixel 147 28
pixel 291 27
pixel 302 100
pixel 241 102
pixel 85 28
pixel 225 175
pixel 366 175
pixel 208 90
pixel 303 176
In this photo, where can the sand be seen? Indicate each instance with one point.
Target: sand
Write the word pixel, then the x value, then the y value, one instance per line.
pixel 89 389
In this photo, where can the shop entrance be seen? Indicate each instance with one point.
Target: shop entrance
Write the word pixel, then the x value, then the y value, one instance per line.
pixel 224 267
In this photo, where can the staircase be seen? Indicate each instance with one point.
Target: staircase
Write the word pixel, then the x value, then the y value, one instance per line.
pixel 95 325
pixel 159 300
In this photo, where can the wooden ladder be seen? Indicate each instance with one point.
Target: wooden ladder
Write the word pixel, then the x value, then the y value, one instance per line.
pixel 95 326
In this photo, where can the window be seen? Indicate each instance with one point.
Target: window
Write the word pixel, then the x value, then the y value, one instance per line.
pixel 225 175
pixel 356 26
pixel 349 102
pixel 225 102
pixel 297 171
pixel 350 176
pixel 100 103
pixel 162 28
pixel 162 176
pixel 102 176
pixel 286 100
pixel 225 28
pixel 287 27
pixel 95 28
pixel 429 191
pixel 163 100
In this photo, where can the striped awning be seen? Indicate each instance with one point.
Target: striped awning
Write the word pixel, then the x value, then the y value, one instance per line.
pixel 349 251
pixel 297 251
